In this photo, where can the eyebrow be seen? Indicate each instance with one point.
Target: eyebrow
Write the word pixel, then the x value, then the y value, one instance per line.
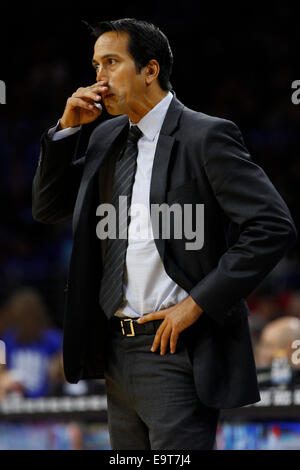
pixel 94 62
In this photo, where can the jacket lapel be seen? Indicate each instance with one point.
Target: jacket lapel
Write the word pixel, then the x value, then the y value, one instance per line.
pixel 162 158
pixel 99 151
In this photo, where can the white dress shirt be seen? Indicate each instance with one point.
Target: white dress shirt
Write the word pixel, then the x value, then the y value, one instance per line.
pixel 147 287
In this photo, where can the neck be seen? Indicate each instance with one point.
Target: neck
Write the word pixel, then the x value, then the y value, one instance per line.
pixel 145 105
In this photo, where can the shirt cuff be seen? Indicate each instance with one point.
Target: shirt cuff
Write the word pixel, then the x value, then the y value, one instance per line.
pixel 54 135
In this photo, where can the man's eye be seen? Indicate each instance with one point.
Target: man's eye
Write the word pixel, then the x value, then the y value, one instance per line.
pixel 110 61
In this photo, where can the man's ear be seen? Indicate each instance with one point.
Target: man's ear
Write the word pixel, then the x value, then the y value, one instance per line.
pixel 152 71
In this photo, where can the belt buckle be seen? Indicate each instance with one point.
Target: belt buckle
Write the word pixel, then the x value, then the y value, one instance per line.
pixel 131 327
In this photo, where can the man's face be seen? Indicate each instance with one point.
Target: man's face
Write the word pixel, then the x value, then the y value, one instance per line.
pixel 114 63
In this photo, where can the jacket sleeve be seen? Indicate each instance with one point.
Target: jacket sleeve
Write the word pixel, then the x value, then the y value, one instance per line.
pixel 57 179
pixel 248 198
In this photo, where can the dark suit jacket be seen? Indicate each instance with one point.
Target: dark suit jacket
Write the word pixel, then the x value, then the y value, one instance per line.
pixel 248 228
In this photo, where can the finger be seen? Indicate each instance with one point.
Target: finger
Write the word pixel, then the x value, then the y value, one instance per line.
pixel 93 96
pixel 152 316
pixel 173 341
pixel 164 340
pixel 97 84
pixel 100 88
pixel 157 337
pixel 87 95
pixel 93 87
pixel 80 103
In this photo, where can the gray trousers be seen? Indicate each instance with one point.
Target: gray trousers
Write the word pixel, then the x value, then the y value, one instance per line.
pixel 151 398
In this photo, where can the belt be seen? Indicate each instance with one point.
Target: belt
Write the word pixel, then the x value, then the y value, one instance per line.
pixel 129 326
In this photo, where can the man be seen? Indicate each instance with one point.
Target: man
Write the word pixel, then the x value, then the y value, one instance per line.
pixel 185 302
pixel 32 345
pixel 278 336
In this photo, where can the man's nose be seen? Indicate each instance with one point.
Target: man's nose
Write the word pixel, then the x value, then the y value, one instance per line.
pixel 100 75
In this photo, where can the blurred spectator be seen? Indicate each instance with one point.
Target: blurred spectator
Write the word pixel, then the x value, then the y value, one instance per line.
pixel 277 336
pixel 264 308
pixel 31 343
pixel 256 324
pixel 9 384
pixel 4 321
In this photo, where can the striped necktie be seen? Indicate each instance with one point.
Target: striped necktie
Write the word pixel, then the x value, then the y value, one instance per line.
pixel 111 290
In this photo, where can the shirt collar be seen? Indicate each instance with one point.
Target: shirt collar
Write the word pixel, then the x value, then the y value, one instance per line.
pixel 152 122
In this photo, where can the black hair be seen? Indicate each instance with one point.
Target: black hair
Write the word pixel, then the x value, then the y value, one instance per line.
pixel 146 42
